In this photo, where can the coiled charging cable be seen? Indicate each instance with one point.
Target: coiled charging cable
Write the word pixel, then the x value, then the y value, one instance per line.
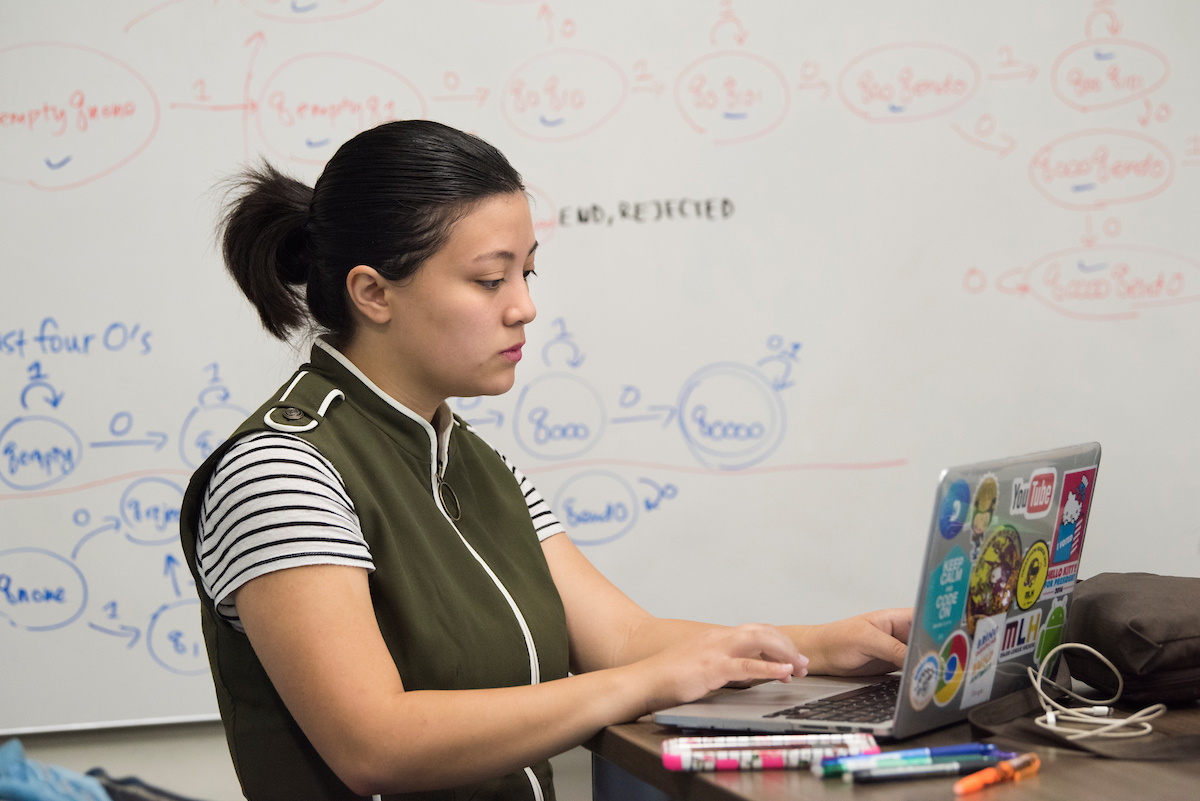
pixel 1078 723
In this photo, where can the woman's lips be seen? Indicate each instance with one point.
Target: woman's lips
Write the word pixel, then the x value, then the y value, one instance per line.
pixel 513 354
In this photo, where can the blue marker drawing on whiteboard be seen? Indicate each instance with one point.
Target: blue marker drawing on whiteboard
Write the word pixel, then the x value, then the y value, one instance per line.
pixel 174 639
pixel 36 452
pixel 111 523
pixel 562 343
pixel 131 632
pixel 120 425
pixel 50 339
pixel 58 165
pixel 630 397
pixel 558 416
pixel 596 507
pixel 661 493
pixel 209 423
pixel 321 143
pixel 551 123
pixel 299 9
pixel 731 416
pixel 150 509
pixel 48 394
pixel 40 590
pixel 784 358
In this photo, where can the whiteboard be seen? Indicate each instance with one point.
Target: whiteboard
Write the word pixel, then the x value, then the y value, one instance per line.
pixel 795 259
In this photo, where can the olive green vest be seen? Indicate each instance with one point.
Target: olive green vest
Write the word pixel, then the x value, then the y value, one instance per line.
pixel 446 622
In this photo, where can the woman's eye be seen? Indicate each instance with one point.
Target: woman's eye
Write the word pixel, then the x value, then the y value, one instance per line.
pixel 493 284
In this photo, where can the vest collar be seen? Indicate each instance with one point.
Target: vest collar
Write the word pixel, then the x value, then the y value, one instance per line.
pixel 438 438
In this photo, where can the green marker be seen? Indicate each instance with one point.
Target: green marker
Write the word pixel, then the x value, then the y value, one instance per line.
pixel 831 769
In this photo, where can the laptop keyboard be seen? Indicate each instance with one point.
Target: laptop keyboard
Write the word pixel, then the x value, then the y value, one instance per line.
pixel 875 703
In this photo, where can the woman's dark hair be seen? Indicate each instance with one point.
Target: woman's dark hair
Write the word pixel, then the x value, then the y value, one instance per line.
pixel 388 199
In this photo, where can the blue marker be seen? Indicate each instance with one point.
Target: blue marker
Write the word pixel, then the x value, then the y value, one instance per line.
pixel 854 762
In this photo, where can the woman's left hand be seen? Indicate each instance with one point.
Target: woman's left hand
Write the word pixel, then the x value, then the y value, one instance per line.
pixel 862 645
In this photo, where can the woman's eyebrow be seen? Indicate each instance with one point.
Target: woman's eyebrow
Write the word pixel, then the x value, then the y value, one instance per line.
pixel 506 255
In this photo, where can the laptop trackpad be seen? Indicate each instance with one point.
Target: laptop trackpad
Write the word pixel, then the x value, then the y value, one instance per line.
pixel 778 695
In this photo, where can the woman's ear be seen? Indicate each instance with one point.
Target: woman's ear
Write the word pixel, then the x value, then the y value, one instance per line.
pixel 368 291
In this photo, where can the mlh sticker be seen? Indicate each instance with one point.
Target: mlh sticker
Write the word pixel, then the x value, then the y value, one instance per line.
pixel 1034 498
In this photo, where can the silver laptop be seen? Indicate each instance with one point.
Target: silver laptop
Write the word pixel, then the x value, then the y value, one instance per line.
pixel 1001 561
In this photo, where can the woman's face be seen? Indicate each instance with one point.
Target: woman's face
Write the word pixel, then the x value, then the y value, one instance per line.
pixel 460 322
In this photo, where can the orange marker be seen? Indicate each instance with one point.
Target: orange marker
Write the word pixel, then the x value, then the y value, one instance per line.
pixel 1010 771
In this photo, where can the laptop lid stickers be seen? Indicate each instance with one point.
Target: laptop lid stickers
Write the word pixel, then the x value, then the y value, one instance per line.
pixel 1000 566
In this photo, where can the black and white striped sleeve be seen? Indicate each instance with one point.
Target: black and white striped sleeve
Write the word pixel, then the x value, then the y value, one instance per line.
pixel 273 502
pixel 544 521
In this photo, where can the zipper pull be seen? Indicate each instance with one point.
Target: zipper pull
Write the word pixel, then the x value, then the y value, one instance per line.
pixel 448 498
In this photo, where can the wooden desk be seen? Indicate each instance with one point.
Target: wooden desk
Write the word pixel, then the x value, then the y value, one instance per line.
pixel 635 749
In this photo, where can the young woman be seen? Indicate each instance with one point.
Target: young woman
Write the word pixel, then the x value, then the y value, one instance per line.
pixel 389 606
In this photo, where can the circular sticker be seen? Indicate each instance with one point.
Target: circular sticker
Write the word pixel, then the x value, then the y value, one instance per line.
pixel 924 681
pixel 952 669
pixel 1032 577
pixel 955 506
pixel 994 576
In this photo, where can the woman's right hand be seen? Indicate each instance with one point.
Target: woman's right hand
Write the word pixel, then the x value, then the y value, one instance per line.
pixel 714 657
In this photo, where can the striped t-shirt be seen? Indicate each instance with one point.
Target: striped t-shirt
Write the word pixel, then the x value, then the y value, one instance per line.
pixel 275 502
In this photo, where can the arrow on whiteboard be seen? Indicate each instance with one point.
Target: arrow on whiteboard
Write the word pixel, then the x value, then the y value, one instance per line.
pixel 257 40
pixel 664 413
pixel 53 400
pixel 1009 144
pixel 125 631
pixel 1012 282
pixel 251 106
pixel 480 94
pixel 145 14
pixel 112 523
pixel 155 438
pixel 1103 9
pixel 171 567
pixel 822 85
pixel 1027 71
pixel 1089 237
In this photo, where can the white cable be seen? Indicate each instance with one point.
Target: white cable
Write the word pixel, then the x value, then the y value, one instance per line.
pixel 1070 722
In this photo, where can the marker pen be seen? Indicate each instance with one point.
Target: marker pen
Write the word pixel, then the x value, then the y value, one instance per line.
pixel 974 749
pixel 903 772
pixel 1011 770
pixel 831 768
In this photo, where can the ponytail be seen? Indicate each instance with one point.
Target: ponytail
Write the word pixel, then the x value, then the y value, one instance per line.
pixel 264 244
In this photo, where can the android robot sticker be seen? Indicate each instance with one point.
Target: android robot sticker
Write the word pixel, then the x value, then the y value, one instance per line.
pixel 994 576
pixel 1051 635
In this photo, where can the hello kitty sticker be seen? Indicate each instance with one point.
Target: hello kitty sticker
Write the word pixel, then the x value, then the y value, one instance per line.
pixel 1073 508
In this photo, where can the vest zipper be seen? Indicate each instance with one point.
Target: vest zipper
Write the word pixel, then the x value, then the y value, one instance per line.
pixel 534 667
pixel 535 784
pixel 535 673
pixel 437 480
